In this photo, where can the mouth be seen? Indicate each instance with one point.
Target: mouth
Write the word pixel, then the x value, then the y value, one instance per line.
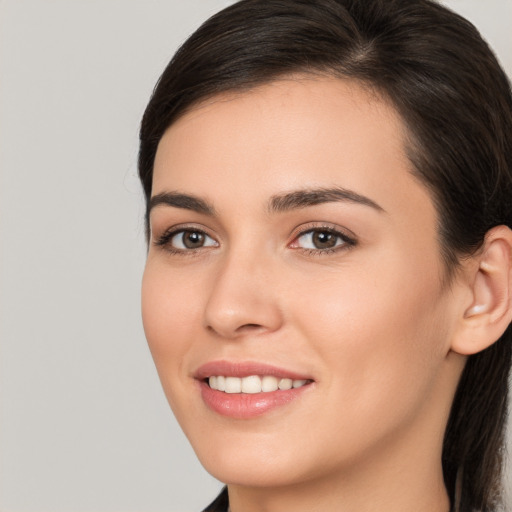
pixel 253 384
pixel 247 390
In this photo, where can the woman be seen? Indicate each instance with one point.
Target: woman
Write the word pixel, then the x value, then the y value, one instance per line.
pixel 327 295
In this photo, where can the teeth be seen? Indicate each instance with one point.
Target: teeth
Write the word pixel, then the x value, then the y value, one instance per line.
pixel 285 384
pixel 233 385
pixel 269 383
pixel 221 383
pixel 253 384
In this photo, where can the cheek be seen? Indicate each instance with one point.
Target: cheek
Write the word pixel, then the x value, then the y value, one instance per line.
pixel 170 310
pixel 381 332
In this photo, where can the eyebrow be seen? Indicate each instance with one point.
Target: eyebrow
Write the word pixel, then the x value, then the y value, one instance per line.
pixel 179 200
pixel 311 197
pixel 294 200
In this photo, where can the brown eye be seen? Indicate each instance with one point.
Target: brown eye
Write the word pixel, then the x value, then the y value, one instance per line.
pixel 324 240
pixel 189 239
pixel 192 239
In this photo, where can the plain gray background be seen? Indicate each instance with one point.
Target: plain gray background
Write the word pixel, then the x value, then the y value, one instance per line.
pixel 84 425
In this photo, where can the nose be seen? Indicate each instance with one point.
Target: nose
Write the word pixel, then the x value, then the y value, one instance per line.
pixel 243 299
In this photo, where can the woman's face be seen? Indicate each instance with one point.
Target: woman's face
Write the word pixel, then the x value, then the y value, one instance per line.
pixel 291 246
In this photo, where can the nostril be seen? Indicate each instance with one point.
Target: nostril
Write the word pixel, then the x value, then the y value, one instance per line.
pixel 244 329
pixel 249 327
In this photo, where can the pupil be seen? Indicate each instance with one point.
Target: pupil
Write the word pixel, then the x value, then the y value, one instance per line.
pixel 193 239
pixel 324 239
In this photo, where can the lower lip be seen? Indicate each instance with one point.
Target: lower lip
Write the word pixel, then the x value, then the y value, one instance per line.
pixel 246 405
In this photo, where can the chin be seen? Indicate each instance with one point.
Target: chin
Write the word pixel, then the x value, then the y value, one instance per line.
pixel 248 474
pixel 255 460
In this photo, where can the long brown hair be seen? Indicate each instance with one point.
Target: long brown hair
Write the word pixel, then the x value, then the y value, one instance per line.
pixel 457 105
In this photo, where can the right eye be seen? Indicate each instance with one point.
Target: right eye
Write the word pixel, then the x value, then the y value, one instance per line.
pixel 186 240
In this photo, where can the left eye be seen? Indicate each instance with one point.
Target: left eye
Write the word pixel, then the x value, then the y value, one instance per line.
pixel 190 239
pixel 318 239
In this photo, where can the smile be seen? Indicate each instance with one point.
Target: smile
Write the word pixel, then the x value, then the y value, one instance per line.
pixel 248 389
pixel 253 384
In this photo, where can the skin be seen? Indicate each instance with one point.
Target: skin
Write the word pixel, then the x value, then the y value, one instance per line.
pixel 372 323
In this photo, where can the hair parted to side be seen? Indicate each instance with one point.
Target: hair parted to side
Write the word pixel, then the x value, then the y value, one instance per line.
pixel 456 104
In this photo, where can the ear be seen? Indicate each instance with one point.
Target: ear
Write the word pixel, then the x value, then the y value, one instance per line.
pixel 489 313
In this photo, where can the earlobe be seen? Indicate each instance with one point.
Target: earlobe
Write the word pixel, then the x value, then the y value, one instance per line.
pixel 490 311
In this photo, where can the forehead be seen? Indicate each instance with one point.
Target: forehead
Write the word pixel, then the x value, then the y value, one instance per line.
pixel 292 133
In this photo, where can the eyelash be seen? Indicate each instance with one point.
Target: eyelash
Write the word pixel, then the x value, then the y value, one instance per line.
pixel 165 239
pixel 346 241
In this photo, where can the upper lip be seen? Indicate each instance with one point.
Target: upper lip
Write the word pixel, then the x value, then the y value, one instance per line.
pixel 245 369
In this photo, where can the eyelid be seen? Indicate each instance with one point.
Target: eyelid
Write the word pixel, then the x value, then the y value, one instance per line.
pixel 165 238
pixel 348 237
pixel 319 225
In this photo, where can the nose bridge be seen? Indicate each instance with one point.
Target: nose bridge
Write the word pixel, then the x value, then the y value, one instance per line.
pixel 242 296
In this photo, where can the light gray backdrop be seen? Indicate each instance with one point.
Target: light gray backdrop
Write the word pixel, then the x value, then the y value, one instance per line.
pixel 84 425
